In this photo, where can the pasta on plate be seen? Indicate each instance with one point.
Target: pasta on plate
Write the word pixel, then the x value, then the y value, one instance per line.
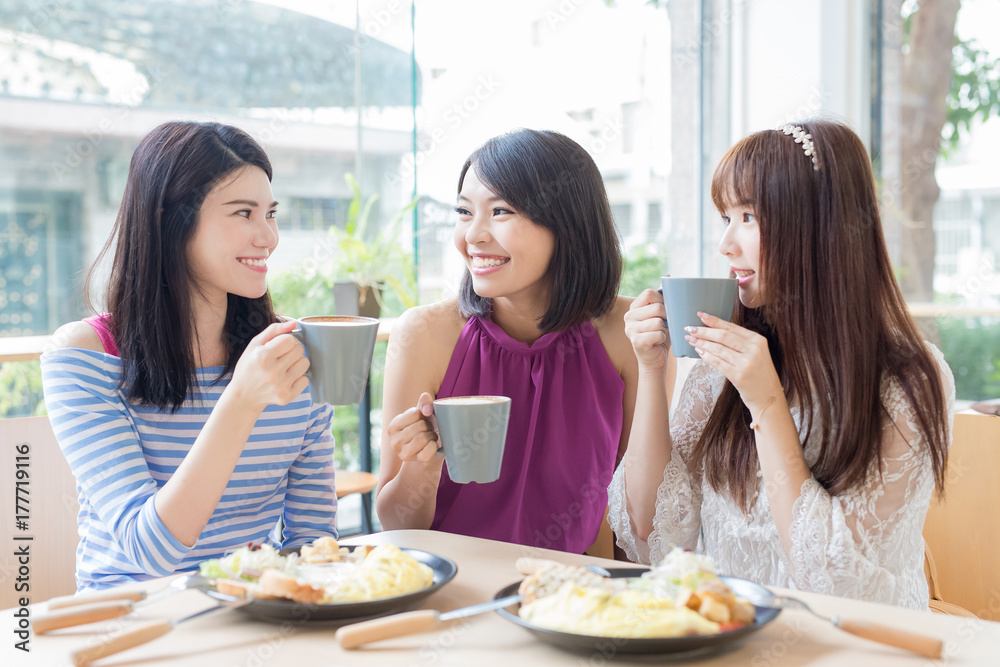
pixel 322 573
pixel 681 596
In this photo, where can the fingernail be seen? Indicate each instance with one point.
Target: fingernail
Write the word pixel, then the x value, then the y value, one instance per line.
pixel 699 350
pixel 689 329
pixel 689 339
pixel 702 315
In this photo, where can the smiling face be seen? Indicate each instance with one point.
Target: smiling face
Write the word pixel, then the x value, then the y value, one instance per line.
pixel 507 254
pixel 236 233
pixel 741 245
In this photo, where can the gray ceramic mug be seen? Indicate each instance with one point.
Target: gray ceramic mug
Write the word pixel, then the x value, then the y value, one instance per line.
pixel 684 297
pixel 340 356
pixel 473 434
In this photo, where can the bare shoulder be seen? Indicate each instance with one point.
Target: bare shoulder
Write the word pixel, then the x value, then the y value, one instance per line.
pixel 430 322
pixel 428 330
pixel 421 345
pixel 612 323
pixel 611 328
pixel 78 335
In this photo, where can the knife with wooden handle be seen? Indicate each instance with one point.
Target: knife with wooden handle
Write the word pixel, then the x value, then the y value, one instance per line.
pixel 70 610
pixel 411 623
pixel 96 596
pixel 80 615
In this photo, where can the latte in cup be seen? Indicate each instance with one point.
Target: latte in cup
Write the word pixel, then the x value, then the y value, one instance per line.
pixel 340 352
pixel 473 400
pixel 336 319
pixel 473 433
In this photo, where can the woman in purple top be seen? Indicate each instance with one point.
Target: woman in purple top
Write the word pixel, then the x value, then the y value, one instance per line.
pixel 537 319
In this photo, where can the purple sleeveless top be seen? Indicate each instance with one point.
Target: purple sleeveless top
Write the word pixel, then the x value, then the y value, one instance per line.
pixel 562 440
pixel 102 325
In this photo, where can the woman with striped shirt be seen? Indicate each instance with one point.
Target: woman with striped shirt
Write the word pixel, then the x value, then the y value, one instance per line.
pixel 183 411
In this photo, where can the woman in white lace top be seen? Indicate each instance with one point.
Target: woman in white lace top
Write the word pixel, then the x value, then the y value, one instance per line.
pixel 809 438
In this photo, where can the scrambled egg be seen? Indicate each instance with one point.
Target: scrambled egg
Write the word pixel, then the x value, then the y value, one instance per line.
pixel 385 571
pixel 628 613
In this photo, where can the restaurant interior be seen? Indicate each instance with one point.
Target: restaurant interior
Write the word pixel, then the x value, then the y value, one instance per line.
pixel 370 108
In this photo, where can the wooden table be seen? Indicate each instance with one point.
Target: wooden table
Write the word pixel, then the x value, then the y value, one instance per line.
pixel 485 566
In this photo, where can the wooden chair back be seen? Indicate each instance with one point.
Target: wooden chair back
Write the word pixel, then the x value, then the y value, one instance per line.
pixel 962 531
pixel 48 501
pixel 604 545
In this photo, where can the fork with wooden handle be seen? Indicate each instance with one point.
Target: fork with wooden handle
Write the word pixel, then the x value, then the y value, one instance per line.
pixel 544 578
pixel 929 647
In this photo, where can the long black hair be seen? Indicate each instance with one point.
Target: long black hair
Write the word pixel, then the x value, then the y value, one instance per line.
pixel 147 297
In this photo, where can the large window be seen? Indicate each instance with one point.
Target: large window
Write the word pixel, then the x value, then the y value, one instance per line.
pixel 398 93
pixel 902 83
pixel 327 88
pixel 598 72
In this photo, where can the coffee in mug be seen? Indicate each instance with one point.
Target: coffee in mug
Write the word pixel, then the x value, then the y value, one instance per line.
pixel 473 432
pixel 340 352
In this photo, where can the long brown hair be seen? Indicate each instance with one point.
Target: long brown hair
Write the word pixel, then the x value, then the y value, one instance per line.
pixel 173 169
pixel 834 318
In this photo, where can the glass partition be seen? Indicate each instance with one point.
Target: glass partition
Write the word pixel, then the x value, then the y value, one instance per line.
pixel 327 88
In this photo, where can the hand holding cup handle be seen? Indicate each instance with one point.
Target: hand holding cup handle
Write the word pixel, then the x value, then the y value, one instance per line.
pixel 413 434
pixel 425 406
pixel 472 431
pixel 340 349
pixel 270 371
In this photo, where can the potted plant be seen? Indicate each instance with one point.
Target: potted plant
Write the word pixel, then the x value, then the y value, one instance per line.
pixel 363 264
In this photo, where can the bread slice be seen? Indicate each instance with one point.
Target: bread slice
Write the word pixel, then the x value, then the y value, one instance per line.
pixel 281 585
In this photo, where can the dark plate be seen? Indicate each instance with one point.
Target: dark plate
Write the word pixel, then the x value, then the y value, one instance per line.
pixel 618 645
pixel 287 610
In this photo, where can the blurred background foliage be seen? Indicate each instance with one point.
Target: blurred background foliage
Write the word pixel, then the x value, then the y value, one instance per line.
pixel 971 346
pixel 643 267
pixel 21 389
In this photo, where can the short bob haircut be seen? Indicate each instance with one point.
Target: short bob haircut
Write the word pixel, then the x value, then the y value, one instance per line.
pixel 149 287
pixel 552 180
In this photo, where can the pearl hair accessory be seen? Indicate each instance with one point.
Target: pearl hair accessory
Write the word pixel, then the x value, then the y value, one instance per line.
pixel 804 138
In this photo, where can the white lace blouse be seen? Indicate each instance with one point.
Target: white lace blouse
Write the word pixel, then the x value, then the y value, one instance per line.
pixel 864 543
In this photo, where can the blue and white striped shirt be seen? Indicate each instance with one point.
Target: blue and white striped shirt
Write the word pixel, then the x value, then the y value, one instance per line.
pixel 122 453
